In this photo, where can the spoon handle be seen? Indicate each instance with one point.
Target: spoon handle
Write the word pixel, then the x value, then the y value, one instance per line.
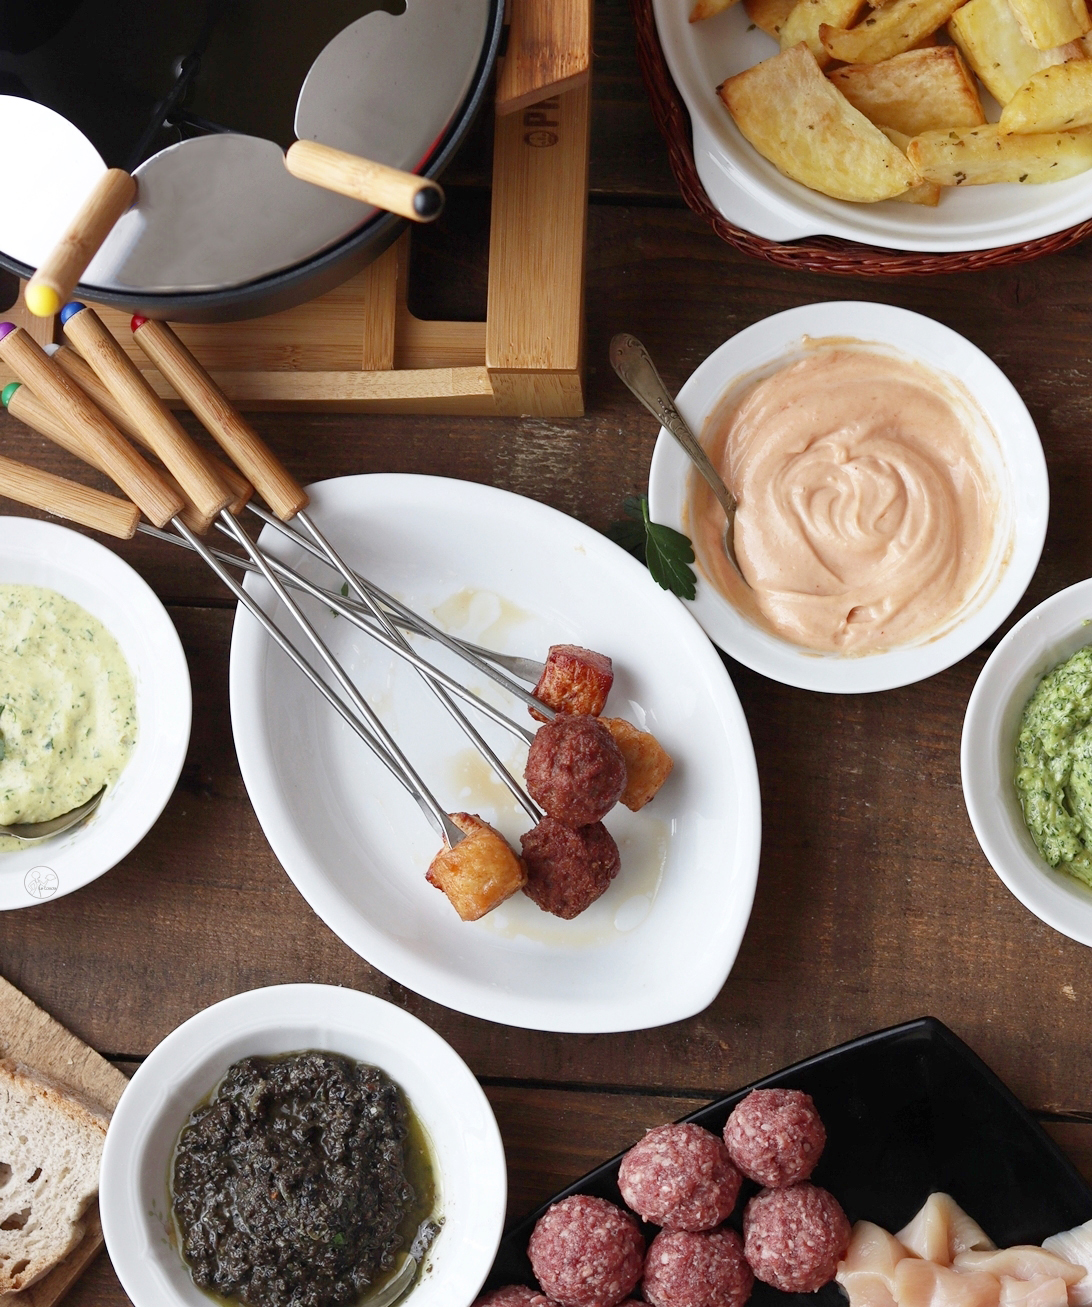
pixel 632 362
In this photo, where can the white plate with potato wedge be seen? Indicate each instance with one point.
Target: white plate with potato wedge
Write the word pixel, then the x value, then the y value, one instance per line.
pixel 515 576
pixel 889 144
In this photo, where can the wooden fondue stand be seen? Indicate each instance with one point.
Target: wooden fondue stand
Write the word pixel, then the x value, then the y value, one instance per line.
pixel 359 349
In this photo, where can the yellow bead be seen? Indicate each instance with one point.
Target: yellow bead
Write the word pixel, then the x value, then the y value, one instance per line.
pixel 43 301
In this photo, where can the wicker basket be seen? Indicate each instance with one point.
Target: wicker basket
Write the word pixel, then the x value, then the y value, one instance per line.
pixel 816 253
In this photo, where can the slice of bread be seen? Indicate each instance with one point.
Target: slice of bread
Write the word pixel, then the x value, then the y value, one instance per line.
pixel 50 1150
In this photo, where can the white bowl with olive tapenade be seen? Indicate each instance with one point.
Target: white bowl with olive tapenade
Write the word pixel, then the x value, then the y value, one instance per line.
pixel 334 1105
pixel 1036 646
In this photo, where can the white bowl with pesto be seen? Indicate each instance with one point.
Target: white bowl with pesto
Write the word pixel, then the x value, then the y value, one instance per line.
pixel 52 557
pixel 467 1154
pixel 1047 636
pixel 1006 441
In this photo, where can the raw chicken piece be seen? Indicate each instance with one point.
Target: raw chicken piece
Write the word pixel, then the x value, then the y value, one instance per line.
pixel 1075 1246
pixel 1042 1291
pixel 1021 1262
pixel 925 1284
pixel 941 1229
pixel 867 1272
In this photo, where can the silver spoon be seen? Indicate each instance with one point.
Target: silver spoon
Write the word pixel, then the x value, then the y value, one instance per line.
pixel 634 366
pixel 33 832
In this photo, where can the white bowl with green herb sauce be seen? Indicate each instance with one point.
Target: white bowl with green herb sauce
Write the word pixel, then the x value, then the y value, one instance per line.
pixel 1034 649
pixel 95 691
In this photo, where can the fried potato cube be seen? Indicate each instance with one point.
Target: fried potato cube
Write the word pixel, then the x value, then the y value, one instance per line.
pixel 1047 24
pixel 808 16
pixel 989 36
pixel 806 127
pixel 709 8
pixel 888 31
pixel 769 15
pixel 648 763
pixel 927 193
pixel 917 91
pixel 574 680
pixel 977 156
pixel 480 872
pixel 1054 99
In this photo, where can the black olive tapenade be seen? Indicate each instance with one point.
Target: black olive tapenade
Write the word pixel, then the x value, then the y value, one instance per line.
pixel 289 1187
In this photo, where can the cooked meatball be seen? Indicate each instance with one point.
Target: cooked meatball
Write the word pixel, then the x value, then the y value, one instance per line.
pixel 585 1252
pixel 686 1269
pixel 775 1136
pixel 567 870
pixel 680 1177
pixel 795 1237
pixel 513 1295
pixel 574 680
pixel 575 770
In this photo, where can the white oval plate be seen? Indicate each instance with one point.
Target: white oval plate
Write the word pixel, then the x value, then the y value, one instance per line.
pixel 516 576
pixel 468 1154
pixel 41 553
pixel 1047 636
pixel 749 191
pixel 1015 458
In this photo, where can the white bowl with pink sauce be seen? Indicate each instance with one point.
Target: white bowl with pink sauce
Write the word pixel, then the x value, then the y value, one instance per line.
pixel 1003 440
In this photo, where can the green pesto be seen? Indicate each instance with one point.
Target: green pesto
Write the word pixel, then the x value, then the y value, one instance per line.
pixel 67 706
pixel 1054 766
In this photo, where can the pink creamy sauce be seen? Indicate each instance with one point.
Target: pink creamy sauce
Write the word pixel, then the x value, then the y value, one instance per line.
pixel 866 512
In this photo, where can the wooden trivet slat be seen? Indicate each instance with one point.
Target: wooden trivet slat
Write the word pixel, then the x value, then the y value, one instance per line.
pixel 31 1036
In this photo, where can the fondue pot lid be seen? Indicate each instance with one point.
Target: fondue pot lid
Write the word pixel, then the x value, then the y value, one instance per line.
pixel 218 208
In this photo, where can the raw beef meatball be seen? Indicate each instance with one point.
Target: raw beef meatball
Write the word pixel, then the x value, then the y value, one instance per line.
pixel 575 770
pixel 574 680
pixel 585 1252
pixel 684 1269
pixel 680 1177
pixel 775 1136
pixel 795 1237
pixel 513 1295
pixel 567 870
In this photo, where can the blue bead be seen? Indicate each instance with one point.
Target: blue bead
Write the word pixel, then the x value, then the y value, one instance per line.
pixel 70 310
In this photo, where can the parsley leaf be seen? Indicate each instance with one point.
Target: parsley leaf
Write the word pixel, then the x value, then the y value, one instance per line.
pixel 666 553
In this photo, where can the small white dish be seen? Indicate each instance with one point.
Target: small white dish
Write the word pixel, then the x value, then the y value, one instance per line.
pixel 468 1156
pixel 1011 451
pixel 44 554
pixel 515 576
pixel 1047 636
pixel 750 192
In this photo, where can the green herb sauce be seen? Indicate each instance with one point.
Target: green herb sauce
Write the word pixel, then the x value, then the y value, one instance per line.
pixel 67 706
pixel 1054 766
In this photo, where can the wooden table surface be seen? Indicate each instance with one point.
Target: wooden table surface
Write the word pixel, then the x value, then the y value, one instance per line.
pixel 874 902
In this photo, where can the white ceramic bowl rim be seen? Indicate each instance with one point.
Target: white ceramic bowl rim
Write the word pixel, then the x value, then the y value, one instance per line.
pixel 189 1062
pixel 1047 636
pixel 39 553
pixel 760 347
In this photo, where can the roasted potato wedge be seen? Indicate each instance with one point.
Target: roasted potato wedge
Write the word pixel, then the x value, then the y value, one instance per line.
pixel 987 33
pixel 888 31
pixel 1047 24
pixel 927 193
pixel 480 872
pixel 1055 99
pixel 648 763
pixel 976 156
pixel 806 127
pixel 709 9
pixel 808 16
pixel 769 15
pixel 918 91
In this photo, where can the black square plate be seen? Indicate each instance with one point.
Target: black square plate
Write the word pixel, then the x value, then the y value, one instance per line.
pixel 908 1111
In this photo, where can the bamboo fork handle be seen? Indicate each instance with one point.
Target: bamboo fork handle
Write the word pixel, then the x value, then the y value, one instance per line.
pixel 56 279
pixel 404 193
pixel 82 374
pixel 68 499
pixel 158 425
pixel 236 437
pixel 101 439
pixel 21 402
